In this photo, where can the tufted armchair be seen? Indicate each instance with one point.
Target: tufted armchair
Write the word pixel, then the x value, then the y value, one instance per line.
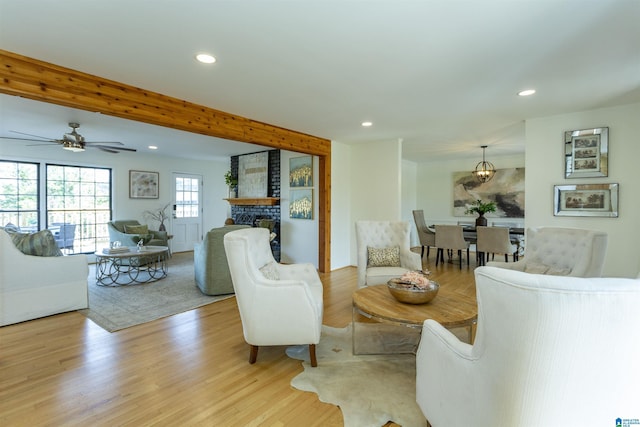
pixel 384 235
pixel 549 351
pixel 561 252
pixel 279 304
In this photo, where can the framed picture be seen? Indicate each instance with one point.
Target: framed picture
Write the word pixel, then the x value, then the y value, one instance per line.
pixel 253 175
pixel 586 153
pixel 301 204
pixel 586 200
pixel 144 185
pixel 301 171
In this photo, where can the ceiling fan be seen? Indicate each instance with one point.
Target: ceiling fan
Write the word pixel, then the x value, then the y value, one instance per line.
pixel 73 141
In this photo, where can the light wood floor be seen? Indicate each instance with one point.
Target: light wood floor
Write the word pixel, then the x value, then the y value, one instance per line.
pixel 190 369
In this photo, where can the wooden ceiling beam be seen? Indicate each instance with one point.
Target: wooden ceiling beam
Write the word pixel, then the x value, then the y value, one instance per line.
pixel 41 81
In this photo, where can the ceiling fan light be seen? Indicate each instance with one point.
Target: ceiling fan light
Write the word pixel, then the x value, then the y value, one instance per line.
pixel 73 146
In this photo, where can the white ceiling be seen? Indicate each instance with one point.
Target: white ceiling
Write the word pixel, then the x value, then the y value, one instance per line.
pixel 442 75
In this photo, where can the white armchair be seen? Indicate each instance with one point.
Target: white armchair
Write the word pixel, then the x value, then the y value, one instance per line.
pixel 384 235
pixel 279 304
pixel 549 350
pixel 561 252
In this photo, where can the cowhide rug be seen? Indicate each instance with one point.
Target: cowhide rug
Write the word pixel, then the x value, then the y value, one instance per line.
pixel 369 389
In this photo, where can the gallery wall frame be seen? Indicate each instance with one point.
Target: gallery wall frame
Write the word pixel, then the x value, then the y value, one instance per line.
pixel 144 185
pixel 586 153
pixel 506 189
pixel 301 204
pixel 301 171
pixel 253 175
pixel 586 200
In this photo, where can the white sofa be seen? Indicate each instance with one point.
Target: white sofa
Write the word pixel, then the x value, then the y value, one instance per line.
pixel 35 286
pixel 549 351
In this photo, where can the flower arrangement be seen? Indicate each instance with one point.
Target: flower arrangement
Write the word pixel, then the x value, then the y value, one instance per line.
pixel 481 208
pixel 159 215
pixel 416 279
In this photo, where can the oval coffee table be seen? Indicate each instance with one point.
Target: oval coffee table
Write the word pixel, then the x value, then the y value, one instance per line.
pixel 131 267
pixel 450 308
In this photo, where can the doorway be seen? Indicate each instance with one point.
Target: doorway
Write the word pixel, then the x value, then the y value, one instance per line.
pixel 187 211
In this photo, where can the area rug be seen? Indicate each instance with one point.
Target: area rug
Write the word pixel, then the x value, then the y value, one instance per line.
pixel 120 307
pixel 369 389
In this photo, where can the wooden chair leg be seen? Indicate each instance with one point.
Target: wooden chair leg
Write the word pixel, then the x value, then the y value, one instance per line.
pixel 422 254
pixel 506 257
pixel 253 355
pixel 312 355
pixel 428 247
pixel 460 258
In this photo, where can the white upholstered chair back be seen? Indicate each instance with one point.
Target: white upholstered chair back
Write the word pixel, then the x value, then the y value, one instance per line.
pixel 384 234
pixel 280 304
pixel 562 251
pixel 549 350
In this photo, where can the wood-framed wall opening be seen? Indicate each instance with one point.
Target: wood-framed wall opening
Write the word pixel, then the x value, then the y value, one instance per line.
pixel 41 81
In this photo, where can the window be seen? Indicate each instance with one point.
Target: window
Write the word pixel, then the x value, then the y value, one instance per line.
pixel 81 196
pixel 76 206
pixel 187 197
pixel 19 194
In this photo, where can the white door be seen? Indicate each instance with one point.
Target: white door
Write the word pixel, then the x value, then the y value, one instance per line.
pixel 187 212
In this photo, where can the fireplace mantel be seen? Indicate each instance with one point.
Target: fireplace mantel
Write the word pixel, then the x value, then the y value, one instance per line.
pixel 260 201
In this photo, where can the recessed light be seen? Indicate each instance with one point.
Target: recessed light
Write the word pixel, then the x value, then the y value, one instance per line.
pixel 526 92
pixel 153 147
pixel 205 58
pixel 367 124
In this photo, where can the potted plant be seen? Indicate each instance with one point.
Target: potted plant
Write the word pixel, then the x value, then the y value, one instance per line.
pixel 481 208
pixel 159 215
pixel 231 182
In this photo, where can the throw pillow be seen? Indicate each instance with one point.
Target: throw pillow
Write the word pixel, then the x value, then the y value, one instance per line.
pixel 383 257
pixel 270 271
pixel 41 243
pixel 136 229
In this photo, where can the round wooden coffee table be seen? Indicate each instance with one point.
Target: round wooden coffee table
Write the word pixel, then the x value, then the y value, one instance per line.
pixel 450 308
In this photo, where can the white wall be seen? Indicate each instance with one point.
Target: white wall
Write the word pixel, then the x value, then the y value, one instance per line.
pixel 545 168
pixel 409 183
pixel 375 184
pixel 341 192
pixel 299 237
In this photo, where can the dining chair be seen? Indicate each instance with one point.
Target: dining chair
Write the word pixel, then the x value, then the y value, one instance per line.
pixel 425 234
pixel 494 240
pixel 450 237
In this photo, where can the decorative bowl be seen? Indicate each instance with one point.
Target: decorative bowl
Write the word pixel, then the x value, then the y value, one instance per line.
pixel 409 293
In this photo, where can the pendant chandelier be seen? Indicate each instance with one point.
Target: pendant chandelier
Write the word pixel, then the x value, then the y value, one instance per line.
pixel 484 170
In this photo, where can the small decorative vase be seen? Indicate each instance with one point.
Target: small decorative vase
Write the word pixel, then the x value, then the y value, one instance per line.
pixel 232 193
pixel 481 221
pixel 162 227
